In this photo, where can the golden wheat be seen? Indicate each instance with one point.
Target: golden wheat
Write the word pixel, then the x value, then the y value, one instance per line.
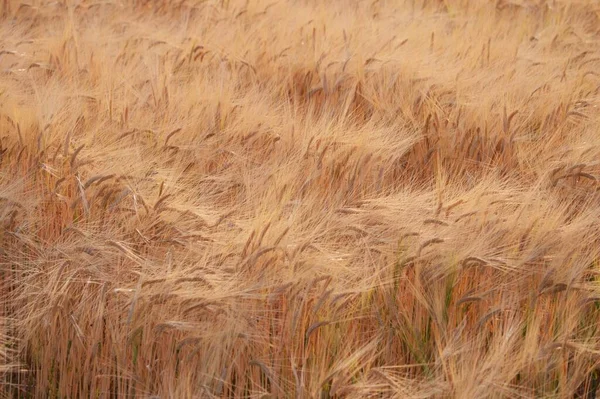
pixel 238 199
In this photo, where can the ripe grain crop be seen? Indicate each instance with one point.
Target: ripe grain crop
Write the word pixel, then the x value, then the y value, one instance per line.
pixel 299 198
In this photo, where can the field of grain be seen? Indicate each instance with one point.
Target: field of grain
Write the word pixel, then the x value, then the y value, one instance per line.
pixel 299 198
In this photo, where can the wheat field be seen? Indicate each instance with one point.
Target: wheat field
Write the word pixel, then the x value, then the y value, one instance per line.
pixel 299 199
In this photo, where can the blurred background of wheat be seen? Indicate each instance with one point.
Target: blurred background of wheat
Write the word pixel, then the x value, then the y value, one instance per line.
pixel 276 199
